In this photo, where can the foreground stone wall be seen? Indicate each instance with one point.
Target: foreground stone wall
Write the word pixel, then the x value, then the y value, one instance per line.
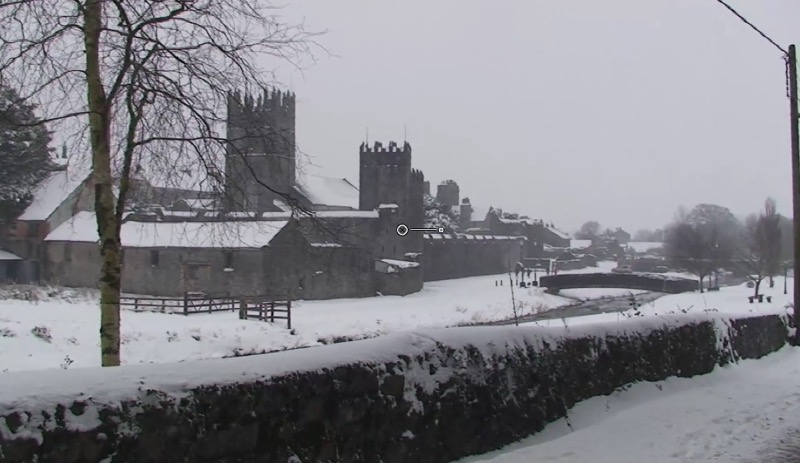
pixel 432 396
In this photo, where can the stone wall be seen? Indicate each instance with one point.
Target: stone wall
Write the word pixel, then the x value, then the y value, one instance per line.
pixel 427 397
pixel 647 282
pixel 400 283
pixel 447 257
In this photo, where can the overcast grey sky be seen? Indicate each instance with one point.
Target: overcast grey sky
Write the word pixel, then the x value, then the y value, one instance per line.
pixel 574 110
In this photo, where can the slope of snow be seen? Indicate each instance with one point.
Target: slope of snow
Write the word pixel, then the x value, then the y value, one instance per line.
pixel 82 227
pixel 6 255
pixel 71 318
pixel 328 191
pixel 52 192
pixel 737 413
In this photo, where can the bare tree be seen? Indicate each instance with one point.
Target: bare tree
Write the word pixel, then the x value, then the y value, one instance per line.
pixel 754 254
pixel 687 245
pixel 145 82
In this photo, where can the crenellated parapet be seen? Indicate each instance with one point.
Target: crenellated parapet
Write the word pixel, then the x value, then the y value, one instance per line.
pixel 392 147
pixel 271 102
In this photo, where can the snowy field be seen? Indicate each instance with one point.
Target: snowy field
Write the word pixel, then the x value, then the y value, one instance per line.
pixel 62 330
pixel 738 414
pixel 729 300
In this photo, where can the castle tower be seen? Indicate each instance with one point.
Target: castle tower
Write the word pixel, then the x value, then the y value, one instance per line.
pixel 261 150
pixel 384 175
pixel 385 179
pixel 447 193
pixel 465 214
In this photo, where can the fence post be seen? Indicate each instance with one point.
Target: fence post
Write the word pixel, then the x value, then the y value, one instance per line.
pixel 272 311
pixel 186 303
pixel 242 310
pixel 289 314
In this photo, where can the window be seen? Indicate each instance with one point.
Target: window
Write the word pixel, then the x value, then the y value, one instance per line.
pixel 228 256
pixel 67 252
pixel 33 229
pixel 154 258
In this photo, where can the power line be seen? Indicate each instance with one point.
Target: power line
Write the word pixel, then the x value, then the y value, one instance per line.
pixel 774 43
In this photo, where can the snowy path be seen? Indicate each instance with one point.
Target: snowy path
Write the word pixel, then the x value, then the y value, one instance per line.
pixel 737 414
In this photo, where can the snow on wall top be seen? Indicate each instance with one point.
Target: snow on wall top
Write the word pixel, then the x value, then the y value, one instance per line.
pixel 5 255
pixel 44 389
pixel 450 236
pixel 328 191
pixel 400 263
pixel 52 192
pixel 644 246
pixel 252 234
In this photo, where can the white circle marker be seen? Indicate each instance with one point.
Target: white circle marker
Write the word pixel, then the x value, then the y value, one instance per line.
pixel 441 229
pixel 402 229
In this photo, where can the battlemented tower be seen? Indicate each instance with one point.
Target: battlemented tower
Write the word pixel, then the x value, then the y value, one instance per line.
pixel 386 179
pixel 261 150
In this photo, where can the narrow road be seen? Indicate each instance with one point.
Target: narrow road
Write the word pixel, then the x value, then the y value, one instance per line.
pixel 581 308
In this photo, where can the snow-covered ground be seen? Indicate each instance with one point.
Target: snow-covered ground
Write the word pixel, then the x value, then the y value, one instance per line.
pixel 62 330
pixel 598 293
pixel 738 413
pixel 729 300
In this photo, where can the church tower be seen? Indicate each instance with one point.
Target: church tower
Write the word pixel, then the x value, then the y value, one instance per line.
pixel 261 150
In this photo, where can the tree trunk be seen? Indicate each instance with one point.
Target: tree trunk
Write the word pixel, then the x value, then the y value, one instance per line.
pixel 107 223
pixel 771 281
pixel 702 277
pixel 758 285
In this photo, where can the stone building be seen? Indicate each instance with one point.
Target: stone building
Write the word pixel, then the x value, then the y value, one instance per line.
pixel 447 193
pixel 179 238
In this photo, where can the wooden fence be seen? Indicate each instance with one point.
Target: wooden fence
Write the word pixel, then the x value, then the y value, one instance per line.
pixel 265 308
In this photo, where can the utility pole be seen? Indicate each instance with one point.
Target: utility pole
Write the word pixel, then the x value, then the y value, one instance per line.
pixel 792 63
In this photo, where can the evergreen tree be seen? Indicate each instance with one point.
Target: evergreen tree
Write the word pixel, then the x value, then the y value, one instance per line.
pixel 25 153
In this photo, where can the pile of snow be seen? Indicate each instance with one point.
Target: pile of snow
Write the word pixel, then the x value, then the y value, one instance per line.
pixel 743 412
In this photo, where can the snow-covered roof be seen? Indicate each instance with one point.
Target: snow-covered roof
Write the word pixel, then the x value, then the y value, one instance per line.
pixel 328 191
pixel 5 255
pixel 580 244
pixel 558 232
pixel 199 203
pixel 644 246
pixel 52 192
pixel 249 234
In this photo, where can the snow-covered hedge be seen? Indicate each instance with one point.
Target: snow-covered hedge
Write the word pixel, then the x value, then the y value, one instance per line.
pixel 428 396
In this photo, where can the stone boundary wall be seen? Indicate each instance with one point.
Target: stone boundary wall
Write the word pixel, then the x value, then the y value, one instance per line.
pixel 428 397
pixel 445 257
pixel 647 282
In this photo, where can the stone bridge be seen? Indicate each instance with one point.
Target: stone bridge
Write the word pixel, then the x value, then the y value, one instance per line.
pixel 644 281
